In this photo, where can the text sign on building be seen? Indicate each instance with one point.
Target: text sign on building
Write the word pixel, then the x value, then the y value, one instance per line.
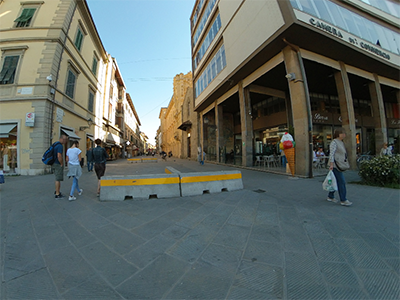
pixel 60 115
pixel 30 119
pixel 345 36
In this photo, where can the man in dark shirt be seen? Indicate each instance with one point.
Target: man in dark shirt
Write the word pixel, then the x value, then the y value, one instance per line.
pixel 89 158
pixel 58 166
pixel 99 158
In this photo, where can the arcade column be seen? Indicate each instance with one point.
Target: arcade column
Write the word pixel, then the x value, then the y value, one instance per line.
pixel 246 126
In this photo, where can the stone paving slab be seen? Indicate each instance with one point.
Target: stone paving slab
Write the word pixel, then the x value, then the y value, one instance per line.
pixel 278 238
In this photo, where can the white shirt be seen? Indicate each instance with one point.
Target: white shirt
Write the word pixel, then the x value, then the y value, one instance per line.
pixel 73 156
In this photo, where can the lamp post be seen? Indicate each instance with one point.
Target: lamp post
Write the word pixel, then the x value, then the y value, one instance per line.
pixel 52 99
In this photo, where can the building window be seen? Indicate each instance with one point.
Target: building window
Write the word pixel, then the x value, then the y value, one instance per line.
pixel 71 81
pixel 79 39
pixel 216 26
pixel 7 74
pixel 217 64
pixel 94 65
pixel 203 21
pixel 24 20
pixel 91 101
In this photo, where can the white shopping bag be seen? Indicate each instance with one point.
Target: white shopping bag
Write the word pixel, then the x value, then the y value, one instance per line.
pixel 330 183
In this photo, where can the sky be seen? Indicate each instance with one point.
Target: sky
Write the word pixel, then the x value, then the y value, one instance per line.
pixel 150 40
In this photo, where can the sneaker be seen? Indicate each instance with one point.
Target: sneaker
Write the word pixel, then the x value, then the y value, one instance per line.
pixel 332 200
pixel 71 198
pixel 98 195
pixel 346 203
pixel 59 196
pixel 80 193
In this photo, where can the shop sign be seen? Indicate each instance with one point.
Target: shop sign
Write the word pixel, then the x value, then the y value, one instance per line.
pixel 393 123
pixel 345 36
pixel 320 118
pixel 340 119
pixel 30 119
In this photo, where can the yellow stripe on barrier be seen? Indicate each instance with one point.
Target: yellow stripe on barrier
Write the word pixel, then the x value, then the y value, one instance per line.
pixel 130 182
pixel 133 159
pixel 211 178
pixel 168 171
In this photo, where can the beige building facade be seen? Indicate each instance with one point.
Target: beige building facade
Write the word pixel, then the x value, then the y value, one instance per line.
pixel 171 117
pixel 261 68
pixel 55 79
pixel 51 61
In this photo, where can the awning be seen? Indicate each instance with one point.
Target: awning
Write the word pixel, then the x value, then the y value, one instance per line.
pixel 5 130
pixel 90 137
pixel 185 125
pixel 110 139
pixel 71 135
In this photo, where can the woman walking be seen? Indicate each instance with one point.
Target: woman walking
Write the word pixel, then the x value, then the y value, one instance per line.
pixel 338 163
pixel 74 168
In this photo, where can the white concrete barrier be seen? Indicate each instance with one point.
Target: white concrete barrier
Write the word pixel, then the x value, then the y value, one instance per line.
pixel 193 184
pixel 118 188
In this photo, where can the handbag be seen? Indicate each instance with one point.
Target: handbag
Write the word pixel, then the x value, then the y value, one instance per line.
pixel 341 161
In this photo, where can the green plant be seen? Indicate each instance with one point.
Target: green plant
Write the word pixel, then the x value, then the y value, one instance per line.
pixel 381 171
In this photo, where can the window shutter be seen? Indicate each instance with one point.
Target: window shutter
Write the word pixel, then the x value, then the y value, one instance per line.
pixel 25 17
pixel 94 66
pixel 79 38
pixel 91 102
pixel 70 84
pixel 8 72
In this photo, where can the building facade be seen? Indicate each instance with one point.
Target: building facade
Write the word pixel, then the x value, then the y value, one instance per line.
pixel 50 80
pixel 172 115
pixel 261 68
pixel 189 127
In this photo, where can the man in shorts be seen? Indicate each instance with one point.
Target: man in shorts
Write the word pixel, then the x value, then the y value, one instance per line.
pixel 100 156
pixel 58 166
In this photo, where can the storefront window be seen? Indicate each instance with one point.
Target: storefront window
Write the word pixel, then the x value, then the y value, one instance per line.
pixel 8 147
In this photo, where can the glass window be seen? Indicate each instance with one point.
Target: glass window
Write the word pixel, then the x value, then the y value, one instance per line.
pixel 24 20
pixel 7 74
pixel 215 66
pixel 8 147
pixel 208 40
pixel 203 21
pixel 79 39
pixel 308 7
pixel 323 11
pixel 70 89
pixel 91 101
pixel 337 15
pixel 348 18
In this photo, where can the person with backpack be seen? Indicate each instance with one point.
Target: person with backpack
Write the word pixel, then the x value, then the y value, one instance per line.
pixel 58 165
pixel 100 156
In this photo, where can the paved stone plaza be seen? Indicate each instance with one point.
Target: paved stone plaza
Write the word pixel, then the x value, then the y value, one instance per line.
pixel 276 239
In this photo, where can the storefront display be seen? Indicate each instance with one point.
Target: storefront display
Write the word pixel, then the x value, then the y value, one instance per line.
pixel 8 148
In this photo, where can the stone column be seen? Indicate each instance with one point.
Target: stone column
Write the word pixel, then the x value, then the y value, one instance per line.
pixel 219 122
pixel 298 100
pixel 378 109
pixel 246 126
pixel 347 113
pixel 201 134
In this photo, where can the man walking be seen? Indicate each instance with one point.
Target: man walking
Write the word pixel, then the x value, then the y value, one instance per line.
pixel 58 166
pixel 89 159
pixel 99 158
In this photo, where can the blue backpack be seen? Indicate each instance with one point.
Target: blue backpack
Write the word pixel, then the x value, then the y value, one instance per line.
pixel 49 156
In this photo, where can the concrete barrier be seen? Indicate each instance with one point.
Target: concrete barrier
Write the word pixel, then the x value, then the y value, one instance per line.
pixel 118 188
pixel 136 160
pixel 193 184
pixel 149 159
pixel 171 170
